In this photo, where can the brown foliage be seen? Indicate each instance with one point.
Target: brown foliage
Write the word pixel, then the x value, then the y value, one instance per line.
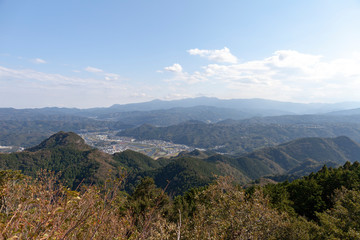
pixel 225 212
pixel 44 209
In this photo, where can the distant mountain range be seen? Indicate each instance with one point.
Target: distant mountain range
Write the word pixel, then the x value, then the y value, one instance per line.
pixel 232 126
pixel 261 107
pixel 348 112
pixel 233 109
pixel 67 154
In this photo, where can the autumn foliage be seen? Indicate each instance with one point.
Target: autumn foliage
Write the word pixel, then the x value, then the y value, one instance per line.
pixel 43 208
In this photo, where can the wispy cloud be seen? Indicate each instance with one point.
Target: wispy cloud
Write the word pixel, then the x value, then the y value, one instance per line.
pixel 38 61
pixel 29 77
pixel 111 76
pixel 107 76
pixel 30 88
pixel 93 70
pixel 40 79
pixel 219 55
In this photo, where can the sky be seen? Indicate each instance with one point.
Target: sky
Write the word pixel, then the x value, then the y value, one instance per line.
pixel 81 53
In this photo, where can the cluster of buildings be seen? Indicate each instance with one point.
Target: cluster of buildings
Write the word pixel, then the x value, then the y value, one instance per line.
pixel 110 143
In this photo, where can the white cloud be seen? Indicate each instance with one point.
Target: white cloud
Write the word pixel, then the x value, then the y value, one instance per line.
pixel 219 55
pixel 100 72
pixel 286 75
pixel 28 77
pixel 38 61
pixel 34 78
pixel 181 76
pixel 173 96
pixel 293 59
pixel 174 68
pixel 111 76
pixel 93 70
pixel 188 78
pixel 139 95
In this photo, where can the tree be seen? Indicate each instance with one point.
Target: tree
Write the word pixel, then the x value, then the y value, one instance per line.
pixel 342 221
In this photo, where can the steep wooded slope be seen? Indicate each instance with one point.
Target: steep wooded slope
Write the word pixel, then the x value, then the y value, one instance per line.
pixel 67 154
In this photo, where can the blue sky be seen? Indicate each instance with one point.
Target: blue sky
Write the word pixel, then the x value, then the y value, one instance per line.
pixel 98 53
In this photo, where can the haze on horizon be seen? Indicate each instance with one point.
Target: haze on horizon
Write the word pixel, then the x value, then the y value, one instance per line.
pixel 95 54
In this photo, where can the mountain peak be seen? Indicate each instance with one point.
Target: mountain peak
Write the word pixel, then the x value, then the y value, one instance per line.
pixel 62 139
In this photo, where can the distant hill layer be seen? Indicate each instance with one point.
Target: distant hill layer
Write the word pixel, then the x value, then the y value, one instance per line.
pixel 253 105
pixel 67 154
pixel 258 105
pixel 27 127
pixel 240 137
pixel 166 117
pixel 162 112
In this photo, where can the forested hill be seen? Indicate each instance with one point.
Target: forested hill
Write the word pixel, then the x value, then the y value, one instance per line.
pixel 64 153
pixel 67 154
pixel 300 156
pixel 241 137
pixel 62 140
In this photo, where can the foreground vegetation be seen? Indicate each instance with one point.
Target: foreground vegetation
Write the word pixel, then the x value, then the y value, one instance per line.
pixel 324 205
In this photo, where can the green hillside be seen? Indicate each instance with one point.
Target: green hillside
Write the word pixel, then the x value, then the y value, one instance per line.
pixel 64 153
pixel 137 162
pixel 300 156
pixel 67 154
pixel 241 137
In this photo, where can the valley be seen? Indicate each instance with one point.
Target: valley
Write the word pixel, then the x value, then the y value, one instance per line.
pixel 290 166
pixel 181 143
pixel 109 143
